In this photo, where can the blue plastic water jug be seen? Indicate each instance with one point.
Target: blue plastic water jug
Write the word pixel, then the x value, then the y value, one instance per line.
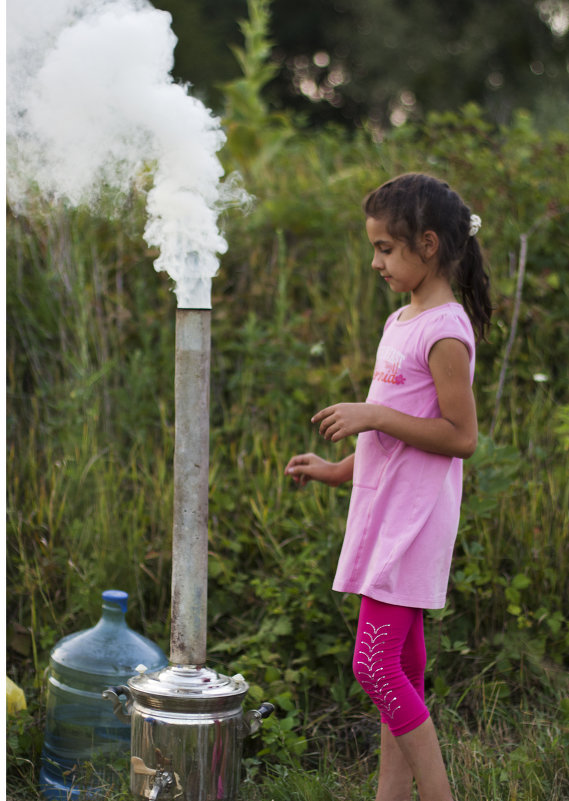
pixel 83 738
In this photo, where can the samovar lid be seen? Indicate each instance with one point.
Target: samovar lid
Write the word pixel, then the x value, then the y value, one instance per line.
pixel 188 688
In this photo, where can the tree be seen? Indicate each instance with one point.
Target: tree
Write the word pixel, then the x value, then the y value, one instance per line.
pixel 388 60
pixel 394 59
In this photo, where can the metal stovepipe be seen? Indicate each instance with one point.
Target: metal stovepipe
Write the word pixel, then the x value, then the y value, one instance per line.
pixel 191 475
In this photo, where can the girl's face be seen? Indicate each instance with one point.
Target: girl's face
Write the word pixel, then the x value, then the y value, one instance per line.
pixel 403 269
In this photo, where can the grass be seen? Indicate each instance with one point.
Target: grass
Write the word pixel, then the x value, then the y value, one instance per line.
pixel 504 753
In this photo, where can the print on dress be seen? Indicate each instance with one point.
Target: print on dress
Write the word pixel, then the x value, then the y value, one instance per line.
pixel 369 674
pixel 388 365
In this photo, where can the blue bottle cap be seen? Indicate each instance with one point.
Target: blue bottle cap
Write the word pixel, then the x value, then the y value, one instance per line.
pixel 118 597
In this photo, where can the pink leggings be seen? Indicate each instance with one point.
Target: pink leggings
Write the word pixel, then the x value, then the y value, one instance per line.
pixel 389 663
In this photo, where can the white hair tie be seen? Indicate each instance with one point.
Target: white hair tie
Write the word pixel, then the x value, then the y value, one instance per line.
pixel 475 223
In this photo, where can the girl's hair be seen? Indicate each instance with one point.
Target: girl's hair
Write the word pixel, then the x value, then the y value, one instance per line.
pixel 414 203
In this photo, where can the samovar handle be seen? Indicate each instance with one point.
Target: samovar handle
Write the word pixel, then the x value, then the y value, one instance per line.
pixel 253 719
pixel 112 694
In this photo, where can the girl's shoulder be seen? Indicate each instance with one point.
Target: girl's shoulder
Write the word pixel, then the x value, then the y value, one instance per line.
pixel 449 321
pixel 453 311
pixel 418 334
pixel 453 314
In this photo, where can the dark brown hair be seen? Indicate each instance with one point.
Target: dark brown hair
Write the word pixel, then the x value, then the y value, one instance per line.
pixel 414 203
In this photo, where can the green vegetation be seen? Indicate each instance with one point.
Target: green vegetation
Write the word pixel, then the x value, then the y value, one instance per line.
pixel 296 320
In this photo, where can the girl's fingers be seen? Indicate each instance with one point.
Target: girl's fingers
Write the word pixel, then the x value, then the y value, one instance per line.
pixel 296 460
pixel 322 414
pixel 326 424
pixel 329 428
pixel 296 464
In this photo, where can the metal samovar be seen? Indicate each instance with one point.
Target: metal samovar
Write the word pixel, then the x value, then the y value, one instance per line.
pixel 187 733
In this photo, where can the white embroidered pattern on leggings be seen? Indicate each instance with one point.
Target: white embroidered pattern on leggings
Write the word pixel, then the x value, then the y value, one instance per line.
pixel 373 654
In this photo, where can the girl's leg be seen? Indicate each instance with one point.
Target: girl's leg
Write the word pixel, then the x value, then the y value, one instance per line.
pixel 383 632
pixel 422 751
pixel 390 637
pixel 414 655
pixel 395 774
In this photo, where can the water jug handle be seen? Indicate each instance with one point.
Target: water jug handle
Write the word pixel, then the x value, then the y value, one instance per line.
pixel 113 694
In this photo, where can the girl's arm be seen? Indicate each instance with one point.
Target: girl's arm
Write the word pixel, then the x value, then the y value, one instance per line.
pixel 307 466
pixel 454 433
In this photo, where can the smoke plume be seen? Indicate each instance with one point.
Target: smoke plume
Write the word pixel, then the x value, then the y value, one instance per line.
pixel 91 105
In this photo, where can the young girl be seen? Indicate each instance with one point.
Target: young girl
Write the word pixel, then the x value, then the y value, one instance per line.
pixel 415 428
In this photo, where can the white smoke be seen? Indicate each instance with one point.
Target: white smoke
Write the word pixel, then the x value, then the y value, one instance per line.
pixel 91 104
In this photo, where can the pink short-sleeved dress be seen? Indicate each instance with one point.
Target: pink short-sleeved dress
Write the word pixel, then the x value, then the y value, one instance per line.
pixel 405 503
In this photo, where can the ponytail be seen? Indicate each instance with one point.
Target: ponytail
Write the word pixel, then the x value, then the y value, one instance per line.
pixel 474 286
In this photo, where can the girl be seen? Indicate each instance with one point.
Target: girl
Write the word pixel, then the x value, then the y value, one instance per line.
pixel 415 428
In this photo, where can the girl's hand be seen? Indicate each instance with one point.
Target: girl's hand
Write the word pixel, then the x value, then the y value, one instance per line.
pixel 308 466
pixel 345 419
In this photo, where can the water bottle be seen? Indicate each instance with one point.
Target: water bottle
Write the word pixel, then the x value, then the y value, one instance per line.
pixel 82 735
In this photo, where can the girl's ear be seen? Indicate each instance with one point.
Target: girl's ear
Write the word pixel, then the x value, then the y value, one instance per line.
pixel 429 244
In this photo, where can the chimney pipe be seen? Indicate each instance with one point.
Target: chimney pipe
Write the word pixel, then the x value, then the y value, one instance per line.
pixel 191 479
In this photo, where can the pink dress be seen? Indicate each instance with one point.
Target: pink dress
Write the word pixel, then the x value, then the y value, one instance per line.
pixel 405 503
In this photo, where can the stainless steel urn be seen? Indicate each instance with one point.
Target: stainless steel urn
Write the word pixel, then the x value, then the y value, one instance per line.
pixel 187 732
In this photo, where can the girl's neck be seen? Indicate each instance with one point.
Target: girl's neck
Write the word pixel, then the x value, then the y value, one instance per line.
pixel 435 292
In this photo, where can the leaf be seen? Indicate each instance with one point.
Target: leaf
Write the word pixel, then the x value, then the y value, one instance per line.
pixel 441 687
pixel 282 626
pixel 520 581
